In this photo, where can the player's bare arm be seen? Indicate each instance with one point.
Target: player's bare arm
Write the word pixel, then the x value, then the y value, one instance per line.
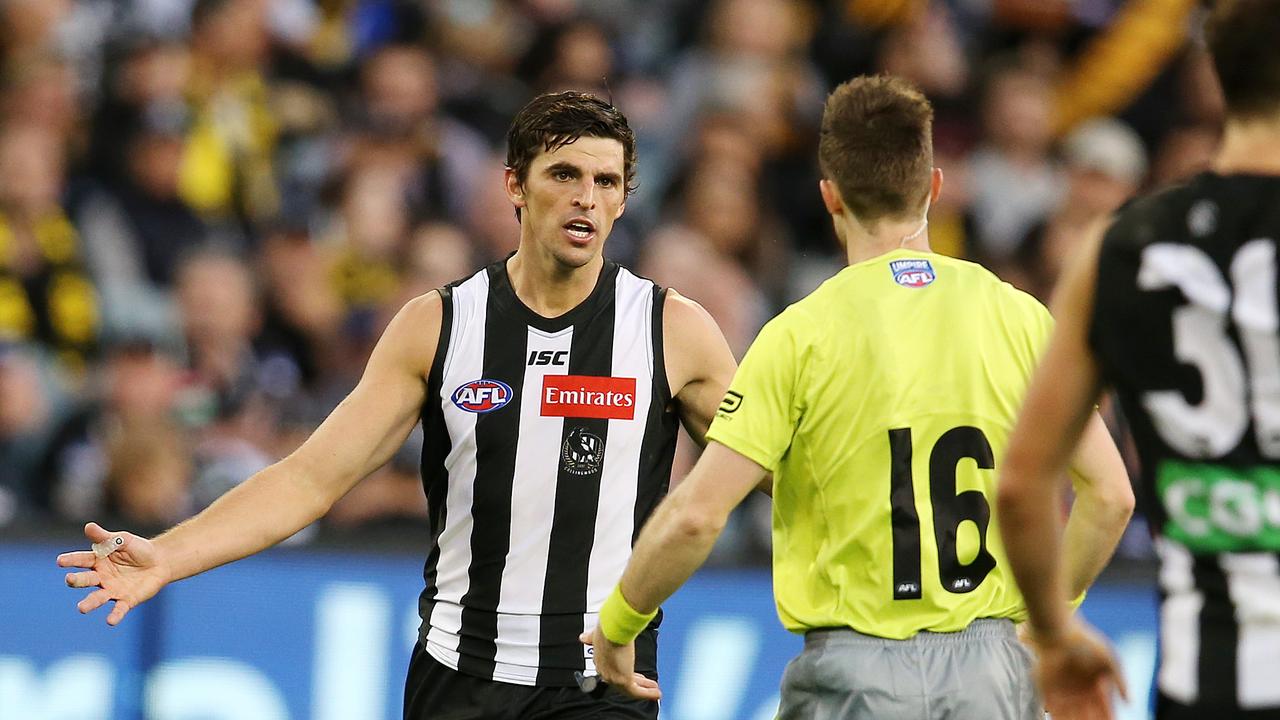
pixel 358 437
pixel 700 367
pixel 699 362
pixel 1076 671
pixel 673 544
pixel 1103 505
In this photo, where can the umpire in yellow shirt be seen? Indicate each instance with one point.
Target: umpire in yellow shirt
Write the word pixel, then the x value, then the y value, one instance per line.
pixel 881 403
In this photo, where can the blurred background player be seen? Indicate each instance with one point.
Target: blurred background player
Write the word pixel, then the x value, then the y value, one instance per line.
pixel 550 387
pixel 880 403
pixel 1176 308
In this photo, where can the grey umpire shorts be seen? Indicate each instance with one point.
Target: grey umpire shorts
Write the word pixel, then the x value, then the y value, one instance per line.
pixel 981 672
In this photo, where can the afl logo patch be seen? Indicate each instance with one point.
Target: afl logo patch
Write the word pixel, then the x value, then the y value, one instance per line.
pixel 912 273
pixel 482 396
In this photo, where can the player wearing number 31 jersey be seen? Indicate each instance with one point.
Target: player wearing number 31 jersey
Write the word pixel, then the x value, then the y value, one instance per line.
pixel 1176 307
pixel 1173 288
pixel 882 403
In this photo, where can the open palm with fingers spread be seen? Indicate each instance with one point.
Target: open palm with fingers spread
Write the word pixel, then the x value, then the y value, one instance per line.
pixel 129 575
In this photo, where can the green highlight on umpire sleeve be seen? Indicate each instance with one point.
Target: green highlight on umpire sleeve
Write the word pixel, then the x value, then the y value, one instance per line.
pixel 1219 508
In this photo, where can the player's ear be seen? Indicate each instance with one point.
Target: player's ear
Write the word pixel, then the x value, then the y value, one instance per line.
pixel 831 197
pixel 514 188
pixel 935 185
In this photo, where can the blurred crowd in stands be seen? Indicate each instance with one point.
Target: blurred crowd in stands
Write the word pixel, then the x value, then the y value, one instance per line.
pixel 209 209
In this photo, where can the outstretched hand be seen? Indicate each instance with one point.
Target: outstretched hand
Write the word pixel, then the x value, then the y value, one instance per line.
pixel 616 666
pixel 1077 674
pixel 130 575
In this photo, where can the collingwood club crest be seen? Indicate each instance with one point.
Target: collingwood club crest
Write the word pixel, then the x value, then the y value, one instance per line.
pixel 582 452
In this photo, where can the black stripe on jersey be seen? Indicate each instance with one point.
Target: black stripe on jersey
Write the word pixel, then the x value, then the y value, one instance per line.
pixel 564 595
pixel 1219 635
pixel 658 448
pixel 657 453
pixel 435 447
pixel 497 434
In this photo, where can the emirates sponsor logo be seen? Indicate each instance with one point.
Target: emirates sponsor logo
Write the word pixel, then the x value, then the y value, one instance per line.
pixel 589 396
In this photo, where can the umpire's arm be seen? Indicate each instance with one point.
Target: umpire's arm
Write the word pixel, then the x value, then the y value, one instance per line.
pixel 679 537
pixel 358 437
pixel 1101 510
pixel 1058 429
pixel 673 544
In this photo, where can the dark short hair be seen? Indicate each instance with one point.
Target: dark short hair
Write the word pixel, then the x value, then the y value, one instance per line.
pixel 876 145
pixel 553 120
pixel 1244 40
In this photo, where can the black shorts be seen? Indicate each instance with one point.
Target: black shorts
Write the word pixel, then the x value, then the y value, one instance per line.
pixel 436 692
pixel 1169 709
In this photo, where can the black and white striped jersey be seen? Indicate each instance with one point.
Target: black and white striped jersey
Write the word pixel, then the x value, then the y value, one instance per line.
pixel 548 443
pixel 1185 326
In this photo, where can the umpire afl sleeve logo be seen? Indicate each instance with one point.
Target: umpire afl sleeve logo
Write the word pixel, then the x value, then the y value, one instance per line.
pixel 582 452
pixel 913 273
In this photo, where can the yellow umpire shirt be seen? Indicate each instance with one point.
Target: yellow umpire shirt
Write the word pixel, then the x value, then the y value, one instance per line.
pixel 881 403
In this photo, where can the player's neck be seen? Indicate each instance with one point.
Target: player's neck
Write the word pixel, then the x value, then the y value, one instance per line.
pixel 548 287
pixel 887 236
pixel 1250 147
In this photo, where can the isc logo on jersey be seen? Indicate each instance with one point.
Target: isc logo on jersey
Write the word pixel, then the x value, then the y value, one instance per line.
pixel 912 273
pixel 589 396
pixel 482 396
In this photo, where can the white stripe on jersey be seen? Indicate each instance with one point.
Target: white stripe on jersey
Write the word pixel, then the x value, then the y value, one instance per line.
pixel 615 520
pixel 1253 580
pixel 533 505
pixel 502 672
pixel 1179 676
pixel 446 622
pixel 464 358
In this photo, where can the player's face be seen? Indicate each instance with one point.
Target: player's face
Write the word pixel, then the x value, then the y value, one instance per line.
pixel 571 198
